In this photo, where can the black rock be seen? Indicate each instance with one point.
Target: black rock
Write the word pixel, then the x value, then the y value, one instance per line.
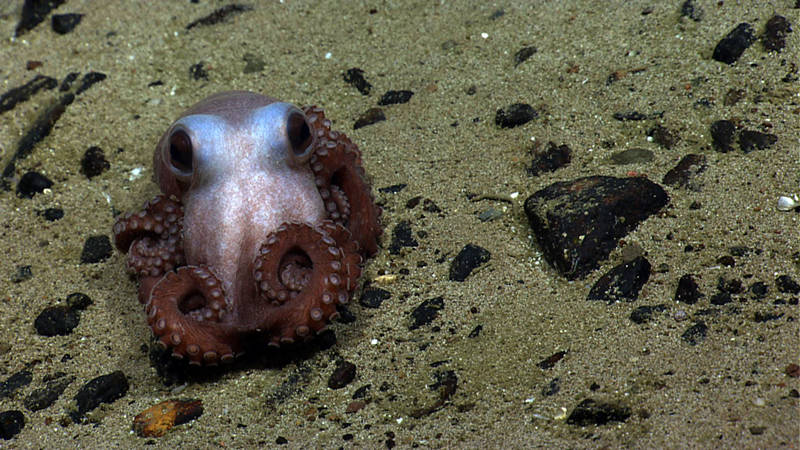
pixel 550 361
pixel 687 291
pixel 775 33
pixel 64 23
pixel 355 78
pixel 369 117
pixel 760 317
pixel 475 332
pixel 553 157
pixel 14 382
pixel 731 47
pixel 759 289
pixel 103 389
pixel 622 283
pixel 395 97
pixel 578 223
pixel 46 396
pixel 468 259
pixel 515 115
pixel 32 183
pixel 663 136
pixel 402 237
pixel 787 284
pixel 94 162
pixel 625 116
pixel 198 72
pixel 591 412
pixel 426 312
pixel 11 423
pixel 89 80
pixel 219 15
pixel 721 298
pixel 33 13
pixel 552 387
pixel 684 173
pixel 342 375
pixel 373 297
pixel 755 140
pixel 523 54
pixel 696 333
pixel 731 286
pixel 23 273
pixel 722 134
pixel 644 314
pixel 56 321
pixel 692 10
pixel 19 94
pixel 96 249
pixel 78 301
pixel 52 214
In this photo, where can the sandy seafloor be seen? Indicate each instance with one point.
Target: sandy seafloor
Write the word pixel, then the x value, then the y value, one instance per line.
pixel 729 391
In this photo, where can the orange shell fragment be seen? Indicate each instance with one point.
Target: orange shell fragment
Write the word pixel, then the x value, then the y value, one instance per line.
pixel 156 420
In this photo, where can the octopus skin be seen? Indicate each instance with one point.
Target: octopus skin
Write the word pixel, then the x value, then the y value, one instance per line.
pixel 265 219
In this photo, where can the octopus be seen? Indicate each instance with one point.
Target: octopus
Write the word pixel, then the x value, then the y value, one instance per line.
pixel 265 220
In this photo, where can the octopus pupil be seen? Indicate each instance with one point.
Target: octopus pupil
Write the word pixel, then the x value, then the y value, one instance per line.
pixel 180 151
pixel 299 134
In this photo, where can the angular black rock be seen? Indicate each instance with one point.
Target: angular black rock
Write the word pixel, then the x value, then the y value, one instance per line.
pixel 46 396
pixel 14 382
pixel 468 259
pixel 592 412
pixel 32 183
pixel 94 162
pixel 373 297
pixel 683 174
pixel 622 283
pixel 369 117
pixel 96 249
pixel 395 97
pixel 515 115
pixel 20 94
pixel 696 333
pixel 355 77
pixel 731 47
pixel 578 223
pixel 722 134
pixel 342 375
pixel 33 13
pixel 775 33
pixel 643 314
pixel 402 237
pixel 687 291
pixel 64 23
pixel 426 312
pixel 11 423
pixel 56 321
pixel 103 389
pixel 551 158
pixel 751 140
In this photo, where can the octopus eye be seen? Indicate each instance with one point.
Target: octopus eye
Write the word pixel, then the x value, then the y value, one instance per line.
pixel 180 151
pixel 299 135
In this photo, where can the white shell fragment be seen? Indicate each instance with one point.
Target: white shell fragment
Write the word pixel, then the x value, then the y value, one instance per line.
pixel 786 203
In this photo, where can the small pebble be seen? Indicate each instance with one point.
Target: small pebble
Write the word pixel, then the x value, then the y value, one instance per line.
pixel 156 420
pixel 344 373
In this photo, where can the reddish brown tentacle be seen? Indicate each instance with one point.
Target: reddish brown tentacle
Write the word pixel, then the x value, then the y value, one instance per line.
pixel 292 315
pixel 187 311
pixel 342 183
pixel 152 237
